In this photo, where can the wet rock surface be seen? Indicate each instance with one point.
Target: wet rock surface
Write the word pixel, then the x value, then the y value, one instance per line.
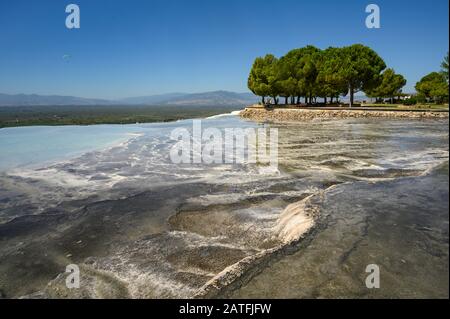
pixel 390 224
pixel 139 226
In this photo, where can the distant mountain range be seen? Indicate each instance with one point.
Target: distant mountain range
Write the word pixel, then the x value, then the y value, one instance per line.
pixel 39 100
pixel 217 98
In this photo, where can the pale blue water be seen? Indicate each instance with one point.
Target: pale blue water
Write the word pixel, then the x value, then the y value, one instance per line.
pixel 25 146
pixel 36 146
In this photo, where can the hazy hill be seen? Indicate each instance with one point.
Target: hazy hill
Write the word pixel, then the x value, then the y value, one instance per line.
pixel 219 98
pixel 39 100
pixel 151 99
pixel 215 98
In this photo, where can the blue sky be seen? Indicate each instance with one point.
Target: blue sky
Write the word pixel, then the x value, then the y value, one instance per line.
pixel 133 48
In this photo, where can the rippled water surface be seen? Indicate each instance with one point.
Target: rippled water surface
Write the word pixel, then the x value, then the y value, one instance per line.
pixel 140 226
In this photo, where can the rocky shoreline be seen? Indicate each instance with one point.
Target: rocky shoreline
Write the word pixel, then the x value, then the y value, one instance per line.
pixel 289 115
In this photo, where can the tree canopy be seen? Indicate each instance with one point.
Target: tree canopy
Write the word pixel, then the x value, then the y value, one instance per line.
pixel 359 67
pixel 433 86
pixel 390 85
pixel 444 66
pixel 262 79
pixel 310 73
pixel 329 82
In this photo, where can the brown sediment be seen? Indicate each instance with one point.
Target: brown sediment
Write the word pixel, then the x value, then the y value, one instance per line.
pixel 298 114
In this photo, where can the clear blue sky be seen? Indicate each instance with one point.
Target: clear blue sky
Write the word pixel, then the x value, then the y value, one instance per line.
pixel 132 48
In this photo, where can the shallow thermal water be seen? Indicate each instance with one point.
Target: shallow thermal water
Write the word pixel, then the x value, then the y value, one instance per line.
pixel 25 146
pixel 141 226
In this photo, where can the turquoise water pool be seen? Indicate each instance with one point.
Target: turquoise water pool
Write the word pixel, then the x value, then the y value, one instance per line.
pixel 34 145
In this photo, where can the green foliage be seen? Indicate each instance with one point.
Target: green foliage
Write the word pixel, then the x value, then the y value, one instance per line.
pixel 329 82
pixel 415 99
pixel 434 86
pixel 390 85
pixel 297 71
pixel 411 101
pixel 311 72
pixel 262 78
pixel 359 67
pixel 103 114
pixel 444 66
pixel 420 98
pixel 287 77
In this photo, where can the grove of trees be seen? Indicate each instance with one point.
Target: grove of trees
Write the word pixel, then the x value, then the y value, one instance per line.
pixel 390 86
pixel 312 73
pixel 434 86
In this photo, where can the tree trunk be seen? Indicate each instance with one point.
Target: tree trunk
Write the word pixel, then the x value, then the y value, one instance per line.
pixel 351 95
pixel 298 99
pixel 331 100
pixel 275 100
pixel 263 100
pixel 286 100
pixel 325 100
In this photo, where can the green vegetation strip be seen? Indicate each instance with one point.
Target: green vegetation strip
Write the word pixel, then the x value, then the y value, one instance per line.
pixel 89 115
